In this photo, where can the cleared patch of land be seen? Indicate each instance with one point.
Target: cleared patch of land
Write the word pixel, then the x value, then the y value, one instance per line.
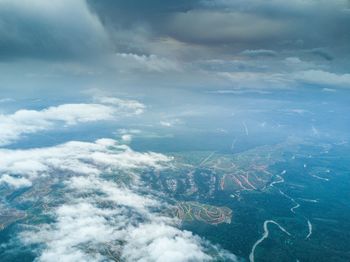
pixel 190 211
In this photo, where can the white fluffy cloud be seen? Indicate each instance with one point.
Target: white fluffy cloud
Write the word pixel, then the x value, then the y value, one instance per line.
pixel 150 63
pixel 77 157
pixel 16 182
pixel 161 242
pixel 170 122
pixel 104 209
pixel 99 217
pixel 76 224
pixel 294 72
pixel 13 126
pixel 321 77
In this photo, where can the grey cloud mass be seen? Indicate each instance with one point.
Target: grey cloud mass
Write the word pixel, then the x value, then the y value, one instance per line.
pixel 161 40
pixel 188 33
pixel 240 24
pixel 49 30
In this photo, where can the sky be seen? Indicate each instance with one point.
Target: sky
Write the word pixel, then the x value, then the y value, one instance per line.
pixel 81 80
pixel 254 44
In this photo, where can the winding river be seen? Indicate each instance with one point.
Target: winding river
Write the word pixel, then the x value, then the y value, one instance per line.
pixel 264 236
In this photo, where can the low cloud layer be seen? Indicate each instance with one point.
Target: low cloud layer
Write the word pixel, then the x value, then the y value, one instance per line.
pixel 103 211
pixel 101 218
pixel 77 157
pixel 22 122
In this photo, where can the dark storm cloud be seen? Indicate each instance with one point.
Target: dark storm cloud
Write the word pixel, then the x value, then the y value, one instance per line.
pixel 49 30
pixel 124 13
pixel 273 40
pixel 183 28
pixel 234 26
